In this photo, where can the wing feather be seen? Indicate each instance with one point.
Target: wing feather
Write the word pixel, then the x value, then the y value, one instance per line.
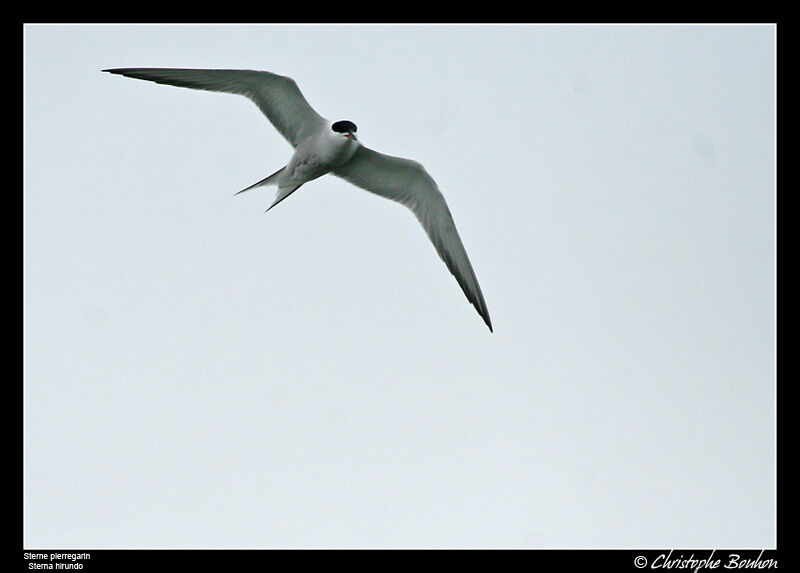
pixel 278 97
pixel 407 182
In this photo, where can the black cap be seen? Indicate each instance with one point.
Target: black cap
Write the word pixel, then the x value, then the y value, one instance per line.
pixel 344 126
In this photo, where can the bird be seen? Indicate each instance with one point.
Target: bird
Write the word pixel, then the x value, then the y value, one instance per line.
pixel 322 146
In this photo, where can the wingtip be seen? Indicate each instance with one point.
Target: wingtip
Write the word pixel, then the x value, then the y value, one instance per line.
pixel 119 71
pixel 483 312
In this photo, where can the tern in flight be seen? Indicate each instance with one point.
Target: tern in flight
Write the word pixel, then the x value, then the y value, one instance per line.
pixel 322 146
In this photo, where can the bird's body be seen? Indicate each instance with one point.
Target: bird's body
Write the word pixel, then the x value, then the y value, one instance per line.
pixel 322 147
pixel 318 155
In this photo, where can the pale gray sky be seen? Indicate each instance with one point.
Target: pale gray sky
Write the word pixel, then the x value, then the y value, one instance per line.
pixel 201 374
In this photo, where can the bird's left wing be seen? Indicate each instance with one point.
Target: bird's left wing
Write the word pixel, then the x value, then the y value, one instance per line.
pixel 407 182
pixel 278 97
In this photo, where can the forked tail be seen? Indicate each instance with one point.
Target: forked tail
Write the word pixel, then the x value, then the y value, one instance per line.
pixel 283 191
pixel 270 180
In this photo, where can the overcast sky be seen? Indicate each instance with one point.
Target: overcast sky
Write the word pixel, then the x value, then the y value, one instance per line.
pixel 201 374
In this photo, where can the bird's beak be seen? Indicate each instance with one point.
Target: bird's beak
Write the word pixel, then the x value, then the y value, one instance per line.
pixel 349 135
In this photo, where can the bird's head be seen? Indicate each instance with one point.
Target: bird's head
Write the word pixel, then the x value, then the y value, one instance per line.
pixel 346 128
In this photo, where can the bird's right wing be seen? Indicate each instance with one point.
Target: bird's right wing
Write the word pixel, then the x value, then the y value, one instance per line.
pixel 407 182
pixel 278 97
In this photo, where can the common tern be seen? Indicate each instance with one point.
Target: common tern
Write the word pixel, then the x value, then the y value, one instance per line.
pixel 322 146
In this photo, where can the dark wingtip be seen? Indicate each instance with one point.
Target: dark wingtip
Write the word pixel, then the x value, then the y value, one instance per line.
pixel 120 71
